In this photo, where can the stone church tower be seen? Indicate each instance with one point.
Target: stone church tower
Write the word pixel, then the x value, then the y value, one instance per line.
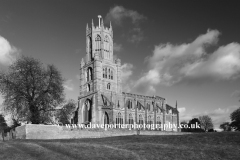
pixel 100 76
pixel 101 100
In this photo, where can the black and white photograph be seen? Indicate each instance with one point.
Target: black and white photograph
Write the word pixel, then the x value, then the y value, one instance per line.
pixel 119 79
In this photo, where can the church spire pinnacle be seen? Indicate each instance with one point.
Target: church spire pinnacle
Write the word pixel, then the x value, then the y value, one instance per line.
pixel 99 19
pixel 92 23
pixel 176 104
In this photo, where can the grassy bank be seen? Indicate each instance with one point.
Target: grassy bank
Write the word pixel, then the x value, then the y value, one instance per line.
pixel 225 145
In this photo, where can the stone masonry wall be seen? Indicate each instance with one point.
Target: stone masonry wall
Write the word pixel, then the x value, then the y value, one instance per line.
pixel 32 131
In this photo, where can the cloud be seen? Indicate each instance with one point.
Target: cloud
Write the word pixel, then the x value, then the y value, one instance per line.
pixel 182 110
pixel 118 13
pixel 126 73
pixel 171 64
pixel 117 47
pixel 136 35
pixel 8 53
pixel 218 115
pixel 78 76
pixel 236 94
pixel 68 85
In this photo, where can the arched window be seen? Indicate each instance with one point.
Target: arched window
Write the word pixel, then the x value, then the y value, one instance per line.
pixel 90 73
pixel 118 104
pixel 139 106
pixel 98 43
pixel 119 118
pixel 108 86
pixel 149 119
pixel 140 119
pixel 130 119
pixel 103 72
pixel 111 74
pixel 158 122
pixel 88 87
pixel 148 106
pixel 86 112
pixel 129 104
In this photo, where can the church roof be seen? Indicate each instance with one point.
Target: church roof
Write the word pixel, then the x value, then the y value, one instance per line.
pixel 143 96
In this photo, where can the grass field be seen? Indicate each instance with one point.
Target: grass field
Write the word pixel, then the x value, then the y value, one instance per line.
pixel 196 146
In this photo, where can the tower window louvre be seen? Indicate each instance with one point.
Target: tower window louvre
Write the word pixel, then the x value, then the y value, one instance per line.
pixel 108 86
pixel 103 73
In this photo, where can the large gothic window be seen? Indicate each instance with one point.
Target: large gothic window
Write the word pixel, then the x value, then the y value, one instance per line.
pixel 149 120
pixel 108 73
pixel 130 119
pixel 87 113
pixel 89 75
pixel 140 119
pixel 129 104
pixel 98 43
pixel 119 118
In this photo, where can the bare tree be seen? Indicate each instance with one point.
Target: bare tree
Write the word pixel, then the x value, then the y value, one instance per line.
pixel 31 90
pixel 206 122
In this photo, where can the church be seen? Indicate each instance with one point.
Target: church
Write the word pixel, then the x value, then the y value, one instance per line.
pixel 101 99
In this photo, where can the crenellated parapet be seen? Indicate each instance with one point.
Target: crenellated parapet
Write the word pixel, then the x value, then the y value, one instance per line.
pixel 99 28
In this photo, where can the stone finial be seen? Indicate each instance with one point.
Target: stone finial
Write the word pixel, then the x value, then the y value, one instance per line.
pixel 99 18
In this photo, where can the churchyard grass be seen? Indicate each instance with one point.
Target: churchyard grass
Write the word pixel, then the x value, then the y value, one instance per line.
pixel 224 145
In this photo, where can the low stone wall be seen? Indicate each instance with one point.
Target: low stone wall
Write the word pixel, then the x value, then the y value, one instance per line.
pixel 20 132
pixel 32 131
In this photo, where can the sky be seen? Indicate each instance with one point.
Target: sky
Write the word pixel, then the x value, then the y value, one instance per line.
pixel 184 51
